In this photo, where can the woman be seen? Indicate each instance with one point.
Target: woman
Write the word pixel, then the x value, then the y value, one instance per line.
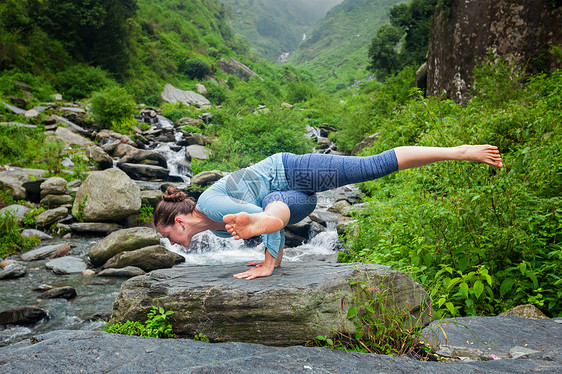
pixel 280 190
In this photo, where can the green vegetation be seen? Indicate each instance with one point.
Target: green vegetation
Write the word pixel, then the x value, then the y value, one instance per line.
pixel 157 325
pixel 145 214
pixel 113 109
pixel 10 239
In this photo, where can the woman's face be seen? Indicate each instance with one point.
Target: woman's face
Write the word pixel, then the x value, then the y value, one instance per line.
pixel 175 233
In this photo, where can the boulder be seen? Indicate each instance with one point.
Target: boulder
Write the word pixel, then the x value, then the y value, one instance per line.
pixel 48 217
pixel 23 315
pixel 94 227
pixel 49 251
pixel 126 272
pixel 463 33
pixel 173 95
pixel 108 195
pixel 65 292
pixel 19 211
pixel 235 67
pixel 66 265
pixel 73 351
pixel 525 311
pixel 121 241
pixel 144 157
pixel 70 125
pixel 368 141
pixel 31 113
pixel 297 303
pixel 341 207
pixel 147 259
pixel 71 138
pixel 53 186
pixel 98 155
pixel 145 172
pixel 13 271
pixel 207 177
pixel 202 89
pixel 198 151
pixel 301 228
pixel 56 200
pixel 32 232
pixel 151 197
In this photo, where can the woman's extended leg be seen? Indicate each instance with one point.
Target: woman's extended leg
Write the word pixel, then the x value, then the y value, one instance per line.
pixel 411 157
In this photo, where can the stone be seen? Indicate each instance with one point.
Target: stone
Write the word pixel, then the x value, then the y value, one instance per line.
pixel 301 228
pixel 517 352
pixel 202 89
pixel 71 138
pixel 56 97
pixel 19 211
pixel 421 77
pixel 191 121
pixel 65 292
pixel 79 351
pixel 13 109
pixel 88 273
pixel 340 207
pixel 126 272
pixel 13 271
pixel 494 335
pixel 98 155
pixel 144 157
pixel 32 232
pixel 148 259
pixel 70 126
pixel 66 265
pixel 145 172
pixel 151 197
pixel 122 149
pixel 48 217
pixel 464 32
pixel 524 311
pixel 92 203
pixel 5 263
pixel 121 241
pixel 235 67
pixel 286 106
pixel 12 183
pixel 94 227
pixel 49 251
pixel 198 151
pixel 297 303
pixel 207 177
pixel 31 113
pixel 56 200
pixel 23 315
pixel 368 141
pixel 173 95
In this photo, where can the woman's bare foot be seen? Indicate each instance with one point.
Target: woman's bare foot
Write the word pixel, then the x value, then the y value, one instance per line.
pixel 244 225
pixel 487 154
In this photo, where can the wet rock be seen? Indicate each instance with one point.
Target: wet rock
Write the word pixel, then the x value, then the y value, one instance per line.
pixel 19 211
pixel 293 240
pixel 32 232
pixel 66 265
pixel 66 292
pixel 92 203
pixel 173 95
pixel 301 228
pixel 126 272
pixel 13 271
pixel 48 217
pixel 94 227
pixel 525 311
pixel 145 172
pixel 23 315
pixel 207 177
pixel 121 241
pixel 340 207
pixel 49 251
pixel 297 303
pixel 147 259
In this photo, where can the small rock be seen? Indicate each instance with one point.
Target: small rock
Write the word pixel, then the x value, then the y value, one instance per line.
pixel 52 251
pixel 43 287
pixel 23 315
pixel 88 273
pixel 66 265
pixel 126 272
pixel 517 352
pixel 340 207
pixel 32 232
pixel 57 97
pixel 5 263
pixel 13 271
pixel 19 211
pixel 31 113
pixel 66 292
pixel 525 311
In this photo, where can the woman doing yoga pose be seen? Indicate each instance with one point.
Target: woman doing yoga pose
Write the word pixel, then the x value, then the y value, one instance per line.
pixel 281 190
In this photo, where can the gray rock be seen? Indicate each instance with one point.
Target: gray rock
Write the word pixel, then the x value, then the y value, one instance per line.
pixel 494 335
pixel 173 95
pixel 75 351
pixel 66 265
pixel 151 197
pixel 108 195
pixel 98 155
pixel 340 207
pixel 297 303
pixel 12 181
pixel 19 211
pixel 121 241
pixel 13 271
pixel 144 157
pixel 71 126
pixel 235 67
pixel 49 251
pixel 94 227
pixel 56 200
pixel 48 217
pixel 18 124
pixel 65 292
pixel 198 151
pixel 301 228
pixel 53 186
pixel 524 311
pixel 366 142
pixel 12 108
pixel 31 113
pixel 147 259
pixel 23 315
pixel 202 89
pixel 32 232
pixel 126 272
pixel 145 172
pixel 207 177
pixel 517 352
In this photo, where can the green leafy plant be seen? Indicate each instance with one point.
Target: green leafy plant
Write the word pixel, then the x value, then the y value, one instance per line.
pixel 10 239
pixel 145 214
pixel 113 108
pixel 201 337
pixel 157 325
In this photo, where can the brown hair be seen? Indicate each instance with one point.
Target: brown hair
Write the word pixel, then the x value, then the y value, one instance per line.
pixel 173 202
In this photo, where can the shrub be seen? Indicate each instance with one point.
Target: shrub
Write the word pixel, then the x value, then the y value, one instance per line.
pixel 157 325
pixel 80 81
pixel 11 240
pixel 113 108
pixel 195 69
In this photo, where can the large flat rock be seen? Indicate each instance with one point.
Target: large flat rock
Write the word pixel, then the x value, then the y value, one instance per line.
pixel 100 352
pixel 297 303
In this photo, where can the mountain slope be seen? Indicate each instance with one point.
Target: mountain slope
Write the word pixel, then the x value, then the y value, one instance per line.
pixel 336 50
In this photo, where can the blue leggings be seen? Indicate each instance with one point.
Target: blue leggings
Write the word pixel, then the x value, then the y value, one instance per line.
pixel 311 173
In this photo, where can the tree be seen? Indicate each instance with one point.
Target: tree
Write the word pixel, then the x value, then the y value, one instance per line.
pixel 382 52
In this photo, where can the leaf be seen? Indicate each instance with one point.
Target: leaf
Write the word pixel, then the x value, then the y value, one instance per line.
pixel 464 288
pixel 352 312
pixel 451 308
pixel 506 285
pixel 478 288
pixel 523 268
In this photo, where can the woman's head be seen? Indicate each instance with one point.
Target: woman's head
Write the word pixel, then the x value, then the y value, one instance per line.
pixel 173 202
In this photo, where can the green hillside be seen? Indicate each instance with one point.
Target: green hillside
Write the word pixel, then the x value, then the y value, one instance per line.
pixel 336 49
pixel 273 27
